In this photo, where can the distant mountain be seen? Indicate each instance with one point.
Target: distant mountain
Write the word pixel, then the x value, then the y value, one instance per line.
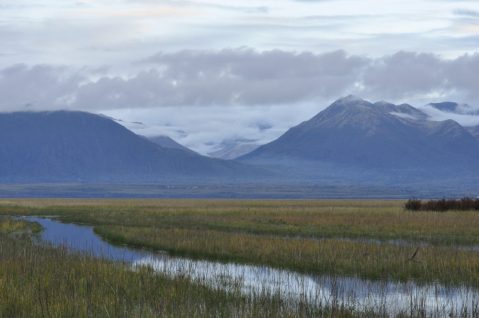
pixel 455 108
pixel 474 131
pixel 356 137
pixel 232 149
pixel 405 111
pixel 167 142
pixel 64 146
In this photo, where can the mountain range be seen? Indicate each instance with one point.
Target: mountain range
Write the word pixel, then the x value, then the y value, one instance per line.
pixel 228 149
pixel 233 149
pixel 356 138
pixel 351 142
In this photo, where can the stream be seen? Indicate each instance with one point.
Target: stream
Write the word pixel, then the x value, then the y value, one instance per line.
pixel 385 297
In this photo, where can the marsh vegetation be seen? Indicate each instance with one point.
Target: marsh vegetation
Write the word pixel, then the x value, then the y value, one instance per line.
pixel 43 281
pixel 374 240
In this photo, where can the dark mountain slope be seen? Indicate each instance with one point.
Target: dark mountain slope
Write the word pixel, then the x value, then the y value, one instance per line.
pixel 474 131
pixel 167 142
pixel 363 137
pixel 66 146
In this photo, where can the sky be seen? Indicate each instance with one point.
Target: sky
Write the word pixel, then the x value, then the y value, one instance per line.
pixel 206 72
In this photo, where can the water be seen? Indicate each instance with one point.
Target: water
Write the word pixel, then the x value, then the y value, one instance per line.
pixel 383 297
pixel 82 238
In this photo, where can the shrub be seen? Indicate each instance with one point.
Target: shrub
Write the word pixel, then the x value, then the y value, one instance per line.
pixel 413 205
pixel 442 205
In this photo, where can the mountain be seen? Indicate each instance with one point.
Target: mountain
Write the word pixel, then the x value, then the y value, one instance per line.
pixel 228 150
pixel 355 137
pixel 474 131
pixel 454 108
pixel 232 149
pixel 167 142
pixel 405 111
pixel 64 146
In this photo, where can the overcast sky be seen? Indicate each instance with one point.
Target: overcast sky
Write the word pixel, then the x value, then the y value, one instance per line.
pixel 208 71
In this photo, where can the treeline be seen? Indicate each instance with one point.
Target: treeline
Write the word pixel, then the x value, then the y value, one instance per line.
pixel 464 204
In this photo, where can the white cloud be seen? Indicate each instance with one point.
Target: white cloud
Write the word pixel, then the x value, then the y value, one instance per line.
pixel 115 32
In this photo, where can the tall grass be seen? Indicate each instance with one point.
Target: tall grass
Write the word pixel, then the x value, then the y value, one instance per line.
pixel 370 260
pixel 40 281
pixel 307 236
pixel 381 220
pixel 370 239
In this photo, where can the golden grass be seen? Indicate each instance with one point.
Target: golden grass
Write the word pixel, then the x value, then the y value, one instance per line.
pixel 330 256
pixel 287 234
pixel 384 220
pixel 39 281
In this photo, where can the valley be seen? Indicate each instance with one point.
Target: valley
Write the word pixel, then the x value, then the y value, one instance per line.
pixel 387 150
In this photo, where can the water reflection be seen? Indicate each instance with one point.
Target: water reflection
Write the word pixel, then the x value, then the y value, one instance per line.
pixel 383 297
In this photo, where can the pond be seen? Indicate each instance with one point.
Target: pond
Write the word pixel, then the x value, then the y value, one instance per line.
pixel 385 297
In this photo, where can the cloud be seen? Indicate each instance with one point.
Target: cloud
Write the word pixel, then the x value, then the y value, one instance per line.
pixel 463 119
pixel 204 97
pixel 248 77
pixel 37 87
pixel 463 76
pixel 412 75
pixel 404 74
pixel 204 129
pixel 243 77
pixel 467 13
pixel 208 78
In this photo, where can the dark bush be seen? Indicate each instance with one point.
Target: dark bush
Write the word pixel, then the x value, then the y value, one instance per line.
pixel 413 205
pixel 464 204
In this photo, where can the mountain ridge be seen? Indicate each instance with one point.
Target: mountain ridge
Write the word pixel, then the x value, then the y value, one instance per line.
pixel 356 134
pixel 454 108
pixel 70 146
pixel 168 142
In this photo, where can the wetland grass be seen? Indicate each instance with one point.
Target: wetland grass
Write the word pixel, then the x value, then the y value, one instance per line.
pixel 426 264
pixel 381 220
pixel 42 281
pixel 319 237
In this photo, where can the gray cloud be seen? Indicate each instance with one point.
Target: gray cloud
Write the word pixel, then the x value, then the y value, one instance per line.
pixel 412 75
pixel 203 97
pixel 243 77
pixel 37 87
pixel 248 77
pixel 467 13
pixel 404 74
pixel 217 78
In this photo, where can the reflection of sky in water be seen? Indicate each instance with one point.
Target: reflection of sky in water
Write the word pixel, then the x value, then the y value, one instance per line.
pixel 381 296
pixel 82 238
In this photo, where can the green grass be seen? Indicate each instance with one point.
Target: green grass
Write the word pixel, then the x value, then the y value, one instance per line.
pixel 40 281
pixel 18 228
pixel 383 220
pixel 327 257
pixel 306 236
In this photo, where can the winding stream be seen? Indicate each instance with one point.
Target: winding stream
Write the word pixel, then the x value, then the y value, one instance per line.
pixel 384 297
